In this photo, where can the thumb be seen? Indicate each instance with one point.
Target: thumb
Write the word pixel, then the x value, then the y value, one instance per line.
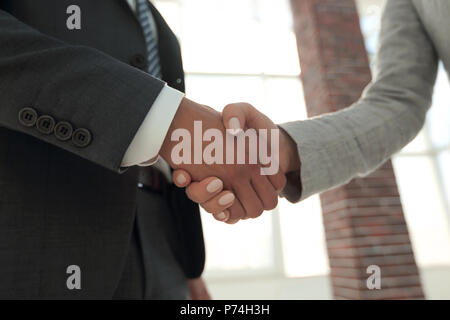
pixel 235 117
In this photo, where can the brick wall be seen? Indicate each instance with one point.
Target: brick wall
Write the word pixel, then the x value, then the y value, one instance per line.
pixel 364 221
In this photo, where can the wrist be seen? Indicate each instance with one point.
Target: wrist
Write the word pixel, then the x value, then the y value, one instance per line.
pixel 289 157
pixel 183 112
pixel 187 114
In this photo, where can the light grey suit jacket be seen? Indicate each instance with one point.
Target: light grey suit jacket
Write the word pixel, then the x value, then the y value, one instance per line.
pixel 337 147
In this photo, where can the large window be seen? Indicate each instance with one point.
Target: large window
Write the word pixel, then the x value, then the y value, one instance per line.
pixel 245 50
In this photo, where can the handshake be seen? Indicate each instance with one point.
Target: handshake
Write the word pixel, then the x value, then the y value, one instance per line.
pixel 233 164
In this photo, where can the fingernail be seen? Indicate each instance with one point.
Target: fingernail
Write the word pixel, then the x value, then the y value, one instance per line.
pixel 234 126
pixel 181 179
pixel 214 186
pixel 221 216
pixel 226 199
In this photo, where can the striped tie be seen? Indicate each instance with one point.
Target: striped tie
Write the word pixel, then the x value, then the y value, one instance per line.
pixel 146 18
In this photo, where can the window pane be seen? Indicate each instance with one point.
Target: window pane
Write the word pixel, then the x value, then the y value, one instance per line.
pixel 246 245
pixel 218 91
pixel 221 36
pixel 444 165
pixel 280 53
pixel 278 39
pixel 171 12
pixel 303 238
pixel 418 145
pixel 424 209
pixel 439 116
pixel 370 19
pixel 285 99
pixel 233 37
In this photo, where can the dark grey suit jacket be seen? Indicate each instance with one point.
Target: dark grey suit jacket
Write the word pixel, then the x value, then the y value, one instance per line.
pixel 62 200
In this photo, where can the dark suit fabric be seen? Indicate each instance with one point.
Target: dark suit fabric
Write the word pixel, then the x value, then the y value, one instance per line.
pixel 61 204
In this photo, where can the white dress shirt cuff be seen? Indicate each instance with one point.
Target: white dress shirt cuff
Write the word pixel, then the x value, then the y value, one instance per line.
pixel 150 136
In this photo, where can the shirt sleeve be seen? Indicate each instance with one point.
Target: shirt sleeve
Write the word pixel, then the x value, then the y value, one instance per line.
pixel 149 138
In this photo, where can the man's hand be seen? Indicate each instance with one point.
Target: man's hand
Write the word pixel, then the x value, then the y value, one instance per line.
pixel 236 116
pixel 254 192
pixel 249 117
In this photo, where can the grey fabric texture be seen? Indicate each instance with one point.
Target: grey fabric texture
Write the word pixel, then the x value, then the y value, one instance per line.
pixel 334 148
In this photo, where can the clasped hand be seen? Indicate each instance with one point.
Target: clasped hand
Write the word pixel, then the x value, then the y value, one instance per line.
pixel 230 192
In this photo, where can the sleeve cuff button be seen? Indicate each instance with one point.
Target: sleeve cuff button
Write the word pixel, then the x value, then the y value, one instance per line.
pixel 81 138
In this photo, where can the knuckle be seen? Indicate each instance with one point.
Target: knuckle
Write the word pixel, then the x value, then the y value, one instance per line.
pixel 193 195
pixel 234 175
pixel 280 181
pixel 189 195
pixel 235 213
pixel 242 215
pixel 283 181
pixel 209 209
pixel 271 203
pixel 228 108
pixel 248 106
pixel 255 170
pixel 206 208
pixel 232 221
pixel 256 212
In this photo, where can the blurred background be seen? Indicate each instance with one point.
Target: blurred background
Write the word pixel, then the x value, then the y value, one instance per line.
pixel 245 50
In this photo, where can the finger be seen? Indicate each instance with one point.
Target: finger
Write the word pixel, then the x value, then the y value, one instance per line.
pixel 237 116
pixel 236 211
pixel 234 117
pixel 219 203
pixel 244 115
pixel 181 178
pixel 223 216
pixel 248 198
pixel 265 191
pixel 278 180
pixel 204 190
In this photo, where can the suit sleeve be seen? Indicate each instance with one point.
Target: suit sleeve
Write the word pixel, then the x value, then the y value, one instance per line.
pixel 337 147
pixel 73 84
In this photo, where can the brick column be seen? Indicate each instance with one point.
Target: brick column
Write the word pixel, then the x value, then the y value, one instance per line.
pixel 364 221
